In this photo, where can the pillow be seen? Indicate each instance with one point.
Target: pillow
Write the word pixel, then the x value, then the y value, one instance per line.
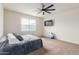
pixel 18 37
pixel 12 39
pixel 3 39
pixel 11 36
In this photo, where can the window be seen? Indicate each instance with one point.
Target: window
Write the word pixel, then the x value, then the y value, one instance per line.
pixel 28 24
pixel 32 25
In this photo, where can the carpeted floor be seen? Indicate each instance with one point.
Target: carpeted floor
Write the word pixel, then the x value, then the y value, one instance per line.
pixel 56 47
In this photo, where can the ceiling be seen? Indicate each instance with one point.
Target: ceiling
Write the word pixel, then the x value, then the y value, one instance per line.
pixel 31 8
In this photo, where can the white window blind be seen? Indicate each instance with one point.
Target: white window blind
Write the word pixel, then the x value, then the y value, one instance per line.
pixel 28 24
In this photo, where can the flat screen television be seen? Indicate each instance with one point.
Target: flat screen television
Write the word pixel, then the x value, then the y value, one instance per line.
pixel 48 23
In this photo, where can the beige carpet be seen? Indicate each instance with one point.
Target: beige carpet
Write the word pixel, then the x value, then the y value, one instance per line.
pixel 56 47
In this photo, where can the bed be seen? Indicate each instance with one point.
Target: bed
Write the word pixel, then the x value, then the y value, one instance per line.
pixel 12 46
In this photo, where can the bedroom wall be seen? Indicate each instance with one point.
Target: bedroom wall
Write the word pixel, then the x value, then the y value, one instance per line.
pixel 66 26
pixel 1 20
pixel 13 24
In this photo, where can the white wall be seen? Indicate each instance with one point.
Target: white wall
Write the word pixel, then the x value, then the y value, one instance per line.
pixel 1 20
pixel 13 23
pixel 66 25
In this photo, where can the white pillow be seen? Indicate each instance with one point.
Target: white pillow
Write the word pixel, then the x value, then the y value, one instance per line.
pixel 10 35
pixel 12 39
pixel 3 39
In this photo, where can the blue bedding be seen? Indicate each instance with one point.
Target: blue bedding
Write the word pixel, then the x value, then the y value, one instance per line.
pixel 21 49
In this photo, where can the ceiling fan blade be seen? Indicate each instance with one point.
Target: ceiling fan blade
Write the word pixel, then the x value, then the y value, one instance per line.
pixel 38 9
pixel 51 9
pixel 48 12
pixel 43 5
pixel 39 12
pixel 49 6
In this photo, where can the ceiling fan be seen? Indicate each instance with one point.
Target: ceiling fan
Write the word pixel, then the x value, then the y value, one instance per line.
pixel 46 9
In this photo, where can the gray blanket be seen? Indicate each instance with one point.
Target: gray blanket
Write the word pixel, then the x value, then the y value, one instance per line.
pixel 20 49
